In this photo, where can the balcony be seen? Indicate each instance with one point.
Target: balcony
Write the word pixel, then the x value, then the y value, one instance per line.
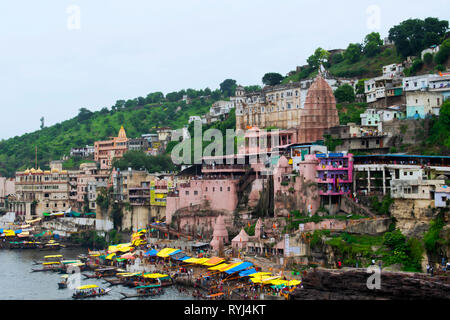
pixel 225 168
pixel 330 180
pixel 330 168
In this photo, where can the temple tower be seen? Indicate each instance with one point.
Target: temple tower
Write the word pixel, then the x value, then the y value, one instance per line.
pixel 319 113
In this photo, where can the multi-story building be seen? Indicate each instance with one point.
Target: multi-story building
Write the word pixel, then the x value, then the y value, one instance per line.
pixel 138 144
pixel 422 104
pixel 334 176
pixel 281 106
pixel 39 191
pixel 88 178
pixel 368 137
pixel 82 152
pixel 440 84
pixel 384 91
pixel 145 193
pixel 219 110
pixel 7 188
pixel 106 151
pixel 383 173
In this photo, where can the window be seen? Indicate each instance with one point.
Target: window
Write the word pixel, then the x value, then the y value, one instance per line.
pixel 195 192
pixel 206 189
pixel 228 188
pixel 405 173
pixel 410 173
pixel 187 193
pixel 220 189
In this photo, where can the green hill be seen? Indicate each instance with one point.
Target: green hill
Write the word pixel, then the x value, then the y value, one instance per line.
pixel 53 142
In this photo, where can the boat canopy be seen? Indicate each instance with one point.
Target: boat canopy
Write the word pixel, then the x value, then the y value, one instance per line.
pixel 88 286
pixel 53 256
pixel 149 286
pixel 155 275
pixel 49 263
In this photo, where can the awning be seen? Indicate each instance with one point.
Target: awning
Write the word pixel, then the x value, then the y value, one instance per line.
pixel 110 256
pixel 218 267
pixel 174 252
pixel 240 267
pixel 230 266
pixel 151 253
pixel 164 253
pixel 213 261
pixel 247 273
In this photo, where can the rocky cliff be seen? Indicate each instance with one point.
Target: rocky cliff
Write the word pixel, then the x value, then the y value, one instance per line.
pixel 351 284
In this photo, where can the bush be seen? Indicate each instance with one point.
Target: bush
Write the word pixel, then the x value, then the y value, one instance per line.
pixel 432 238
pixel 428 58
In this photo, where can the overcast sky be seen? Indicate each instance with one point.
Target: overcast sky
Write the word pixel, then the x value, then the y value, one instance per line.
pixel 51 65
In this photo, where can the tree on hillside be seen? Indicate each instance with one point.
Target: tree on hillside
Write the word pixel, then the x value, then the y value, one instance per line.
pixel 272 79
pixel 227 87
pixel 173 96
pixel 353 52
pixel 360 89
pixel 439 132
pixel 345 93
pixel 372 44
pixel 413 35
pixel 84 114
pixel 319 57
pixel 120 104
pixel 154 97
pixel 444 52
pixel 252 88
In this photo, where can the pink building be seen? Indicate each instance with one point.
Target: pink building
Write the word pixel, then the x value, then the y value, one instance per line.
pixel 208 193
pixel 334 178
pixel 296 191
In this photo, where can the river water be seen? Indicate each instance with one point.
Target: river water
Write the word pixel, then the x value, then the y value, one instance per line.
pixel 17 282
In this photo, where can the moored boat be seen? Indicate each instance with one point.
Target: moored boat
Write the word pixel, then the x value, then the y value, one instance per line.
pixel 89 291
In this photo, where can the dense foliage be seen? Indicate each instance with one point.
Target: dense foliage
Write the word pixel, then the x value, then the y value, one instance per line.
pixel 413 35
pixel 138 160
pixel 272 79
pixel 138 116
pixel 345 93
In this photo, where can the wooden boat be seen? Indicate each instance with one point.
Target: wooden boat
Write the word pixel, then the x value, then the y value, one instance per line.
pixel 89 291
pixel 144 291
pixel 48 266
pixel 104 272
pixel 51 258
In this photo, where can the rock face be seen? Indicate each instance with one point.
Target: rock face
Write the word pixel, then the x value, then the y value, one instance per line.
pixel 352 285
pixel 413 216
pixel 372 227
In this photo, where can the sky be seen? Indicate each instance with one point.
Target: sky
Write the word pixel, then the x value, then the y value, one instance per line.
pixel 58 56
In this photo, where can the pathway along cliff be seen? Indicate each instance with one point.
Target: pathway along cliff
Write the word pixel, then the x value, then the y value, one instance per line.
pixel 351 284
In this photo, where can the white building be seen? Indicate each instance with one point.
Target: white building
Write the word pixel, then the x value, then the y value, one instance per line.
pixel 393 70
pixel 417 83
pixel 194 118
pixel 433 49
